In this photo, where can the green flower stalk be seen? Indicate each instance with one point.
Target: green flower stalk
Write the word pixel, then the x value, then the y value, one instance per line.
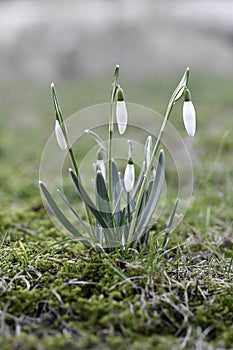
pixel 178 92
pixel 60 130
pixel 110 130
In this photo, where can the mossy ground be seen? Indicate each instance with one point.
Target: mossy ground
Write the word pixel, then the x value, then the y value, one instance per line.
pixel 54 294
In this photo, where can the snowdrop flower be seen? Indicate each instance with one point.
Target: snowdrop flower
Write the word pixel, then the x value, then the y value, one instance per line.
pixel 121 112
pixel 189 114
pixel 60 136
pixel 101 165
pixel 152 174
pixel 129 176
pixel 148 150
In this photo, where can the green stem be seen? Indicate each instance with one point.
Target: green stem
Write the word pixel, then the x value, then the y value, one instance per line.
pixel 75 165
pixel 110 151
pixel 73 160
pixel 128 207
pixel 110 130
pixel 147 174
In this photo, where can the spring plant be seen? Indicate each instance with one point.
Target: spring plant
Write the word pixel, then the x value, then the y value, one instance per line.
pixel 121 214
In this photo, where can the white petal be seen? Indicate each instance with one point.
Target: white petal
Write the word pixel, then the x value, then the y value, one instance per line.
pixel 148 150
pixel 153 174
pixel 60 136
pixel 129 177
pixel 121 116
pixel 189 118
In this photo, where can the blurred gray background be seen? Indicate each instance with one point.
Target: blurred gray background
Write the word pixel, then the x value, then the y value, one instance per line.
pixel 77 44
pixel 52 40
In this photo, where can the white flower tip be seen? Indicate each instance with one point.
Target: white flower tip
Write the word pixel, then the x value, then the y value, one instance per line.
pixel 52 85
pixel 40 182
pixel 70 170
pixel 60 136
pixel 121 128
pixel 189 118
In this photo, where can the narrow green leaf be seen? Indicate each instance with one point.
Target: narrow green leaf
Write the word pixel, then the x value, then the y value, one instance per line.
pixel 103 199
pixel 143 203
pixel 117 188
pixel 169 225
pixel 56 104
pixel 58 213
pixel 171 219
pixel 139 180
pixel 86 228
pixel 86 199
pixel 153 199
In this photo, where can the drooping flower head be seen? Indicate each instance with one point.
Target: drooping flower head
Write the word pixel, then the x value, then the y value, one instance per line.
pixel 189 114
pixel 148 150
pixel 121 111
pixel 101 164
pixel 129 176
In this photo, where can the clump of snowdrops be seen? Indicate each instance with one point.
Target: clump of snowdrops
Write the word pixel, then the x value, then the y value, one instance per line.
pixel 121 214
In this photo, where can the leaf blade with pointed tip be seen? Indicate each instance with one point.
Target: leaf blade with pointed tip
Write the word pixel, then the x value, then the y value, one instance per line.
pixel 86 228
pixel 88 202
pixel 58 213
pixel 153 199
pixel 139 180
pixel 103 199
pixel 169 225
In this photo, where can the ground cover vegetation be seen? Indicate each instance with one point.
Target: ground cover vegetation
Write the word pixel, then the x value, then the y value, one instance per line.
pixel 56 294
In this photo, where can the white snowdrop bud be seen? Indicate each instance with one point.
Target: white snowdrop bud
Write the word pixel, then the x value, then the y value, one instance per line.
pixel 101 165
pixel 129 176
pixel 60 136
pixel 148 150
pixel 189 114
pixel 121 112
pixel 152 174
